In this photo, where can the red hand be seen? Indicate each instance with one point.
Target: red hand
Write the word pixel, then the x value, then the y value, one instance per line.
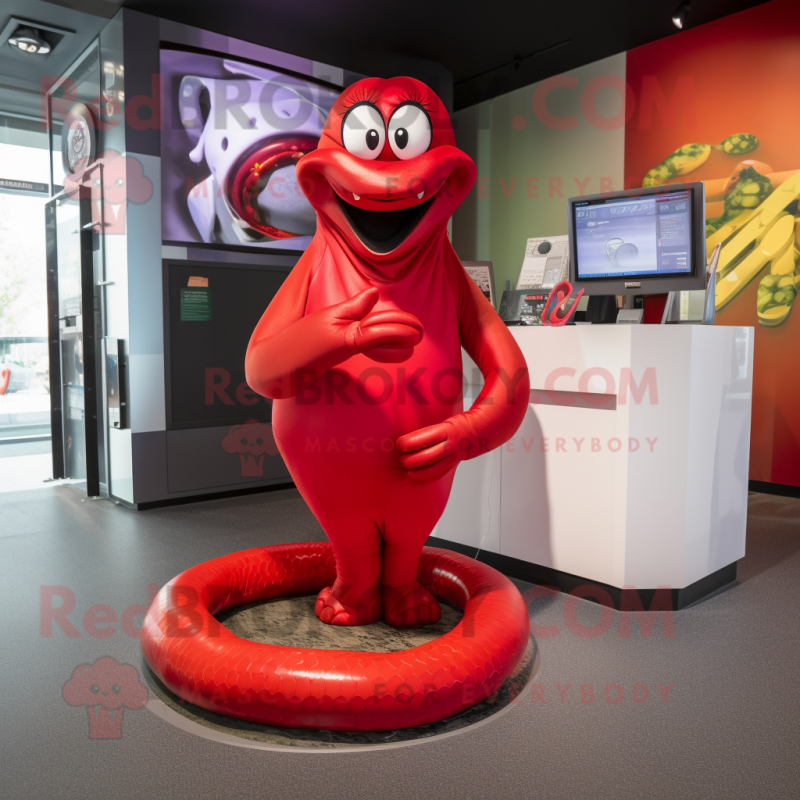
pixel 280 364
pixel 431 452
pixel 387 336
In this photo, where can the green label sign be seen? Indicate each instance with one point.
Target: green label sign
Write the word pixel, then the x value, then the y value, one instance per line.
pixel 196 304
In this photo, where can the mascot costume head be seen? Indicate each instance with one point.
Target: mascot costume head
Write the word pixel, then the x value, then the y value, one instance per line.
pixel 386 176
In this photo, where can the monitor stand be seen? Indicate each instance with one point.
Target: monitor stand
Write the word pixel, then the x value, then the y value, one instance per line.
pixel 602 309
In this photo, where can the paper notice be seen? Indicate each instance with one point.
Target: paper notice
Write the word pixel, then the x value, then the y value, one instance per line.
pixel 546 263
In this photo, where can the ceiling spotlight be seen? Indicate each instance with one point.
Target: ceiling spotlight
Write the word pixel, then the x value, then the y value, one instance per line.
pixel 29 40
pixel 679 17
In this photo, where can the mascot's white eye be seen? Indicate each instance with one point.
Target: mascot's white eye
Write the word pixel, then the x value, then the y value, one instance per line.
pixel 409 131
pixel 363 131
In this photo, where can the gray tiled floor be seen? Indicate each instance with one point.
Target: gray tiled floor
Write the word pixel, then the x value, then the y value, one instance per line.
pixel 730 727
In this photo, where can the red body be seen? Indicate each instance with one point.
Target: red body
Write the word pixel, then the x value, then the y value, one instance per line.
pixel 361 352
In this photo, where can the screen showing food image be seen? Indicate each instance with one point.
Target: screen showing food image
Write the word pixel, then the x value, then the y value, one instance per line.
pixel 634 236
pixel 232 134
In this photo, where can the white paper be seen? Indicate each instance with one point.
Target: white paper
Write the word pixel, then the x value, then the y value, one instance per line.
pixel 546 262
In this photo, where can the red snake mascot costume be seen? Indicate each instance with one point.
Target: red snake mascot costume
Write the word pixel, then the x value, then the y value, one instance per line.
pixel 360 351
pixel 361 348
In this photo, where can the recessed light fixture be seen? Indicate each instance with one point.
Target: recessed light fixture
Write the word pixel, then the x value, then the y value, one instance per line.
pixel 31 37
pixel 29 40
pixel 679 17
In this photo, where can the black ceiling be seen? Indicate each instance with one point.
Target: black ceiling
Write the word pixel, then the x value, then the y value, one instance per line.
pixel 490 46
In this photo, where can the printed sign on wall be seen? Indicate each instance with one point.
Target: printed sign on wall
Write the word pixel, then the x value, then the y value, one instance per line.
pixel 737 131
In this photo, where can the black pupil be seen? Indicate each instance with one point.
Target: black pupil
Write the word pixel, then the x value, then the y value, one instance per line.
pixel 401 137
pixel 372 139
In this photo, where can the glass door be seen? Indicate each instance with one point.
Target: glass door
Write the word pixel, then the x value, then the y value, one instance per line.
pixel 75 333
pixel 25 448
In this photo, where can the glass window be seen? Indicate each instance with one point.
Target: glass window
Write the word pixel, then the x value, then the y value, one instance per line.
pixel 24 373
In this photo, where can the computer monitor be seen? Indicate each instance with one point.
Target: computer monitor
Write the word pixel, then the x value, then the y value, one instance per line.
pixel 639 241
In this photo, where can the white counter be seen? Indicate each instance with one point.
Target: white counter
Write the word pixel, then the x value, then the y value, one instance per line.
pixel 631 466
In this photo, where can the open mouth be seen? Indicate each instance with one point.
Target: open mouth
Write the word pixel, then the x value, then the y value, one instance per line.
pixel 383 231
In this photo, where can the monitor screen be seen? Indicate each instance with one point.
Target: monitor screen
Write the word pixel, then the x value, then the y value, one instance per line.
pixel 232 131
pixel 644 236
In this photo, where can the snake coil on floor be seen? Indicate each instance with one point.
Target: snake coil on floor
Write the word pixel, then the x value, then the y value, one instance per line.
pixel 205 664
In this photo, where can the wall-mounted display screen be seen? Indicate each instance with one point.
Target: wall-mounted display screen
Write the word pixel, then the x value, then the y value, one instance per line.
pixel 232 133
pixel 634 236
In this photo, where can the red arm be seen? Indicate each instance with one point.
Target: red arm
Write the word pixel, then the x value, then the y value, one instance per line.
pixel 500 407
pixel 289 350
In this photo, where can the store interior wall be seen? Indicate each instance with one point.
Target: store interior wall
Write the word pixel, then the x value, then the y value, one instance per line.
pixel 534 147
pixel 602 126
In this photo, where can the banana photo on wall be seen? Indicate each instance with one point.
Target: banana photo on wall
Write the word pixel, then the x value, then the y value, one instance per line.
pixel 753 214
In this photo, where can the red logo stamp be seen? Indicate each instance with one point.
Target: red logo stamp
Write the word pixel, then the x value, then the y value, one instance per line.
pixel 106 688
pixel 252 441
pixel 114 182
